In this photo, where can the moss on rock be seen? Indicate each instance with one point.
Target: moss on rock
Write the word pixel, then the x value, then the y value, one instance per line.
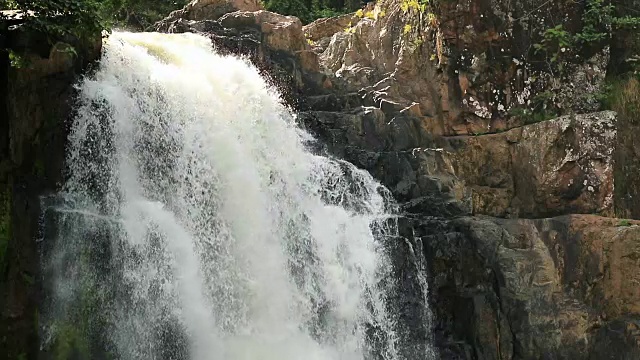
pixel 5 224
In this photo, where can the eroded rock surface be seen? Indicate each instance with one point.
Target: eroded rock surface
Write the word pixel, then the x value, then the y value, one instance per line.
pixel 464 67
pixel 523 289
pixel 554 167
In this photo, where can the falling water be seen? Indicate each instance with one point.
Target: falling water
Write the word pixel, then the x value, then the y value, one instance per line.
pixel 194 224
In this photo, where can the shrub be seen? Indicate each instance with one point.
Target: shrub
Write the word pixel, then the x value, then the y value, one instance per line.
pixel 624 98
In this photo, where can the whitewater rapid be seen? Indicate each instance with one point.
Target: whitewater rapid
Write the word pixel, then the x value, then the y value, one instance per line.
pixel 195 224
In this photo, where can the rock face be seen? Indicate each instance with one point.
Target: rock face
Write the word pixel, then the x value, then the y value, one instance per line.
pixel 627 186
pixel 550 168
pixel 36 102
pixel 525 289
pixel 436 104
pixel 464 67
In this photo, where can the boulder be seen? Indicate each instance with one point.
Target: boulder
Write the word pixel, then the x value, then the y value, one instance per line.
pixel 280 32
pixel 208 10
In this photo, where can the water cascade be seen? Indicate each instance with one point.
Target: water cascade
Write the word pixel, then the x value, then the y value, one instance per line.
pixel 195 224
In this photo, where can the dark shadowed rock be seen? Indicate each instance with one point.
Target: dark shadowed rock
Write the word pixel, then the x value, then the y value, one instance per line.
pixel 36 105
pixel 523 289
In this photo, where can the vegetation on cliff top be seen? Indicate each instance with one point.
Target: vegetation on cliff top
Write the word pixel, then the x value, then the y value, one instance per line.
pixel 309 10
pixel 78 17
pixel 81 16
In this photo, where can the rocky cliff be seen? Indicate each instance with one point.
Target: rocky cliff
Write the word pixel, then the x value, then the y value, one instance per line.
pixel 490 135
pixel 488 131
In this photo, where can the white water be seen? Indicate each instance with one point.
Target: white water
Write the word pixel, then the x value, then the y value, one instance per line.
pixel 195 224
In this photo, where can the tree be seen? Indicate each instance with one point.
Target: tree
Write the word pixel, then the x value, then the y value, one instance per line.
pixel 309 10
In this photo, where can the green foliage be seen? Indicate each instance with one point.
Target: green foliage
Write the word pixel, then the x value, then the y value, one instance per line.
pixel 310 10
pixel 17 61
pixel 59 18
pixel 598 22
pixel 555 41
pixel 624 222
pixel 80 18
pixel 626 22
pixel 137 13
pixel 623 97
pixel 5 224
pixel 419 5
pixel 532 116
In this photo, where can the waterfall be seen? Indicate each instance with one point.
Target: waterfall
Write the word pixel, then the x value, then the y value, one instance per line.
pixel 195 224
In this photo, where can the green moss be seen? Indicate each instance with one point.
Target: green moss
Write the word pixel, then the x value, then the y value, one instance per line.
pixel 532 116
pixel 5 223
pixel 70 340
pixel 624 222
pixel 36 320
pixel 29 279
pixel 38 168
pixel 80 332
pixel 622 96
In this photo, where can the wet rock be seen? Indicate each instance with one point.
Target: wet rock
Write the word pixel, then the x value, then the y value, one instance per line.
pixel 36 104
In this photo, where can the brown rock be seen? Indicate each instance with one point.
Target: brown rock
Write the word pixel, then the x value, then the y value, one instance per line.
pixel 549 168
pixel 213 9
pixel 198 10
pixel 280 32
pixel 564 287
pixel 471 65
pixel 326 27
pixel 308 60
